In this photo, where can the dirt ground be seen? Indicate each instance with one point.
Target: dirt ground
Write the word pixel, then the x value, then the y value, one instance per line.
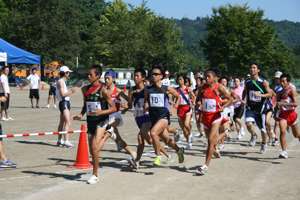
pixel 241 172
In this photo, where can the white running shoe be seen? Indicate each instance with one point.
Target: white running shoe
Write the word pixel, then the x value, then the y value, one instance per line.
pixel 68 145
pixel 275 143
pixel 190 138
pixel 188 146
pixel 270 141
pixel 10 118
pixel 239 136
pixel 221 146
pixel 242 131
pixel 263 148
pixel 119 146
pixel 217 153
pixel 272 134
pixel 192 120
pixel 4 119
pixel 181 133
pixel 54 106
pixel 133 164
pixel 133 155
pixel 283 154
pixel 169 160
pixel 93 180
pixel 59 143
pixel 202 169
pixel 48 106
pixel 113 136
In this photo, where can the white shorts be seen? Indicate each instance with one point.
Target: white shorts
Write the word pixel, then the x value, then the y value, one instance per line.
pixel 116 115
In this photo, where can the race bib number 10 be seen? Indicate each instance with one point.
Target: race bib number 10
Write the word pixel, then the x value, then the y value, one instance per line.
pixel 156 100
pixel 253 97
pixel 90 107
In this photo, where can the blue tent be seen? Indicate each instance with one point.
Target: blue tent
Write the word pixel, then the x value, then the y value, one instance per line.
pixel 16 55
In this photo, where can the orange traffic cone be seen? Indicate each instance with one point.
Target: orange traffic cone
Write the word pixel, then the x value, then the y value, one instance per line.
pixel 124 88
pixel 43 87
pixel 21 86
pixel 82 159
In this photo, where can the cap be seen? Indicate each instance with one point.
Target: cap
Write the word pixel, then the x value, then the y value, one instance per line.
pixel 65 69
pixel 248 75
pixel 167 73
pixel 278 74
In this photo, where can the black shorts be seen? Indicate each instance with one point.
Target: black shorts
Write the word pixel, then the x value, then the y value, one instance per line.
pixel 1 132
pixel 5 105
pixel 238 113
pixel 259 119
pixel 34 93
pixel 92 126
pixel 52 91
pixel 155 119
pixel 64 105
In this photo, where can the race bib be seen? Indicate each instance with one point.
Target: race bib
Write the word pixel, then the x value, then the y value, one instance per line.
pixel 156 100
pixel 90 107
pixel 209 105
pixel 139 105
pixel 183 102
pixel 253 97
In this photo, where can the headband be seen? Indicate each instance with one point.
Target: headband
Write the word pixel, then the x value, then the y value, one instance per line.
pixel 110 73
pixel 212 72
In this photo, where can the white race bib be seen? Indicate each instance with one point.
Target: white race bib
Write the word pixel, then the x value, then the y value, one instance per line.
pixel 253 97
pixel 90 107
pixel 139 105
pixel 156 100
pixel 209 105
pixel 183 102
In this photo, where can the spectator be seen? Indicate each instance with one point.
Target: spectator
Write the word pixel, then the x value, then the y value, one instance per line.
pixel 128 84
pixel 34 85
pixel 4 92
pixel 53 82
pixel 166 80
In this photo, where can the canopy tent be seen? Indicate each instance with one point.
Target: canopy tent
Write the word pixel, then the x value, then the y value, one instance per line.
pixel 3 57
pixel 16 55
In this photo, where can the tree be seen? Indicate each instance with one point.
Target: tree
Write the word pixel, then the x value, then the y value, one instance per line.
pixel 137 38
pixel 238 35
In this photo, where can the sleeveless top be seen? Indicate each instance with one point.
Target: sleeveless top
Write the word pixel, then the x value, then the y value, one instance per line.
pixel 116 100
pixel 209 103
pixel 277 88
pixel 92 101
pixel 239 93
pixel 138 101
pixel 196 94
pixel 57 92
pixel 186 94
pixel 287 99
pixel 256 104
pixel 158 102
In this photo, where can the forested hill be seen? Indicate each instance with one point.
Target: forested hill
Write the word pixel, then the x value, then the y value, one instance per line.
pixel 194 30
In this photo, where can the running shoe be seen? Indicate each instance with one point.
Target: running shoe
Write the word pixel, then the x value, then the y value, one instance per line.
pixel 176 137
pixel 263 148
pixel 54 106
pixel 203 169
pixel 133 163
pixel 221 146
pixel 239 136
pixel 68 145
pixel 201 134
pixel 10 118
pixel 32 106
pixel 133 155
pixel 7 163
pixel 169 160
pixel 270 142
pixel 157 161
pixel 191 138
pixel 119 146
pixel 188 146
pixel 59 143
pixel 4 119
pixel 252 142
pixel 217 153
pixel 113 136
pixel 228 137
pixel 242 131
pixel 93 180
pixel 180 155
pixel 283 154
pixel 272 134
pixel 37 106
pixel 181 133
pixel 192 120
pixel 275 143
pixel 48 106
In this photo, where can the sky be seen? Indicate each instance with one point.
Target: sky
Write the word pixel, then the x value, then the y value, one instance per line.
pixel 276 10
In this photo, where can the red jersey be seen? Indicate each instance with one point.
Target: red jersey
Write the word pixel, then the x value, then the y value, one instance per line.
pixel 209 103
pixel 186 94
pixel 116 100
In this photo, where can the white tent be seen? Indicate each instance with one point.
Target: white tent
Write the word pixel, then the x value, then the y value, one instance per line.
pixel 3 57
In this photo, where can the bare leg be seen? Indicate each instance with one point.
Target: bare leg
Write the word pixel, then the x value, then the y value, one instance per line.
pixel 212 141
pixel 283 125
pixel 2 155
pixel 250 128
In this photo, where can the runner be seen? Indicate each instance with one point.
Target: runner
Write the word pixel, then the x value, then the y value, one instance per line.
pixel 185 111
pixel 97 106
pixel 286 102
pixel 136 96
pixel 198 113
pixel 62 95
pixel 276 88
pixel 210 103
pixel 156 100
pixel 238 108
pixel 257 90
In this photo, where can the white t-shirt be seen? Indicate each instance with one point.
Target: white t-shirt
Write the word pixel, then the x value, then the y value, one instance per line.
pixel 5 81
pixel 193 86
pixel 165 81
pixel 34 81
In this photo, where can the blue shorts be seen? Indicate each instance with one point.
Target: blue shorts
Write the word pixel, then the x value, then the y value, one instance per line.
pixel 259 119
pixel 142 119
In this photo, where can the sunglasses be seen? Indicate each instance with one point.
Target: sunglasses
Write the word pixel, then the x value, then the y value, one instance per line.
pixel 155 74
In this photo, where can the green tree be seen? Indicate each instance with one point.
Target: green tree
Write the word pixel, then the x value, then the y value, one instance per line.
pixel 238 35
pixel 136 37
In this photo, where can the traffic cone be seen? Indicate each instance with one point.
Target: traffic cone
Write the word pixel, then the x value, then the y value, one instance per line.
pixel 82 159
pixel 43 87
pixel 124 88
pixel 21 86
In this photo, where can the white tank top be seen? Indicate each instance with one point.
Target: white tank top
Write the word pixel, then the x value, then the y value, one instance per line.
pixel 57 92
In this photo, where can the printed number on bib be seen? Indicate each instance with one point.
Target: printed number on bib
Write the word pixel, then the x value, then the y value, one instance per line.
pixel 209 105
pixel 183 102
pixel 139 105
pixel 156 100
pixel 90 107
pixel 253 97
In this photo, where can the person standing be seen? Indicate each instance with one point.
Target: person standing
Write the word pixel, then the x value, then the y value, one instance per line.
pixel 166 80
pixel 34 83
pixel 53 82
pixel 62 95
pixel 4 92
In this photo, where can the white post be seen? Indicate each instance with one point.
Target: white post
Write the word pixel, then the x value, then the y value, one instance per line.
pixel 76 62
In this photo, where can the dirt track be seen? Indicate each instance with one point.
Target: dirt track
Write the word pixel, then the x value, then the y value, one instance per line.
pixel 241 173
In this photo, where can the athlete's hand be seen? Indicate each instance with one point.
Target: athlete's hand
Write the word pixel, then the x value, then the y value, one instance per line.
pixel 123 111
pixel 199 105
pixel 171 102
pixel 243 102
pixel 97 111
pixel 146 105
pixel 221 109
pixel 76 117
pixel 257 94
pixel 278 104
pixel 75 89
pixel 172 111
